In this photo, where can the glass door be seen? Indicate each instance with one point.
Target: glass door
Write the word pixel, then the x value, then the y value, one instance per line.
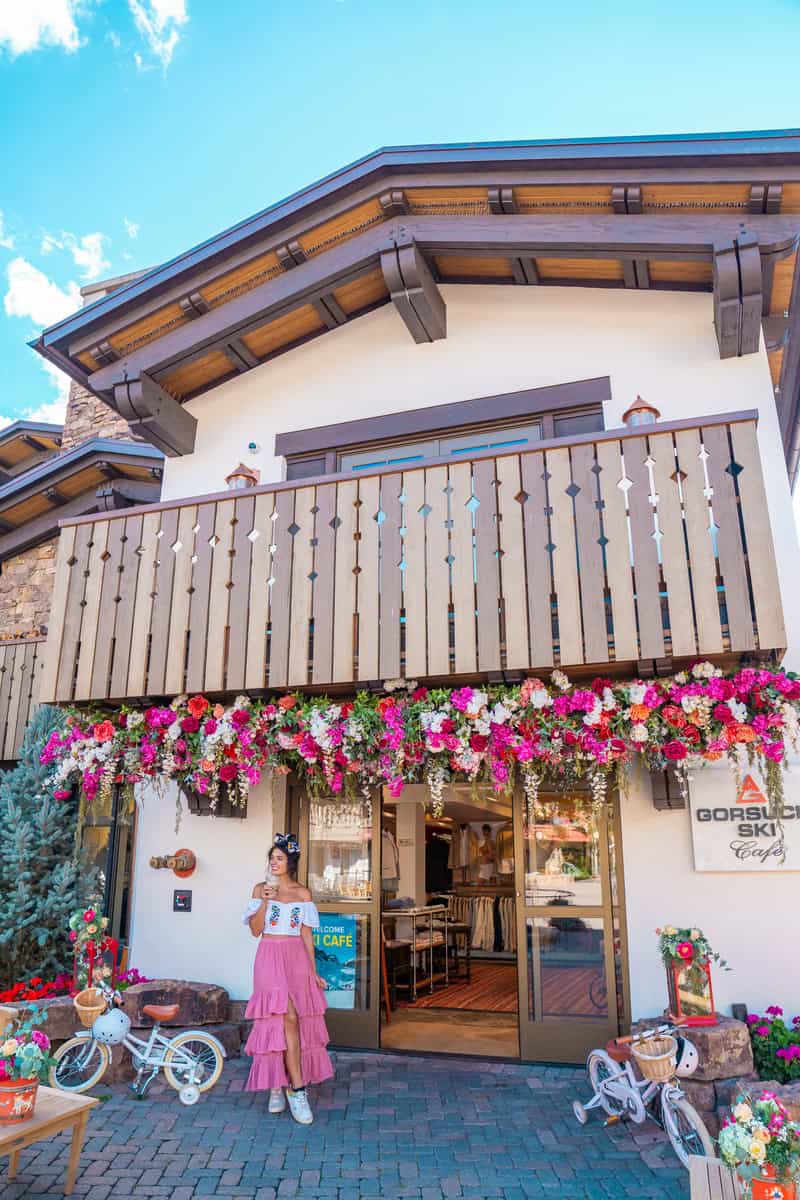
pixel 570 925
pixel 340 840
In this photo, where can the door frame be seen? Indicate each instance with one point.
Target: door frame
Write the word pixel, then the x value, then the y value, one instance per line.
pixel 569 1040
pixel 359 1028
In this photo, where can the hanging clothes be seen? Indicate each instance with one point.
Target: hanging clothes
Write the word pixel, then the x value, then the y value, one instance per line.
pixel 390 862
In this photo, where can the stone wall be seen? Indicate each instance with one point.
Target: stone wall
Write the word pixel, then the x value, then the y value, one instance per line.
pixel 88 417
pixel 26 587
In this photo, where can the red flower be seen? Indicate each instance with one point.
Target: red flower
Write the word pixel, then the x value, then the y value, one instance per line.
pixel 600 685
pixel 685 950
pixel 723 714
pixel 478 742
pixel 197 706
pixel 103 732
pixel 673 716
pixel 691 734
pixel 420 693
pixel 287 702
pixel 240 717
pixel 227 772
pixel 190 724
pixel 675 751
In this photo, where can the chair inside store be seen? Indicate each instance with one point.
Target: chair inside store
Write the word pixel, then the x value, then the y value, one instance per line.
pixel 448 924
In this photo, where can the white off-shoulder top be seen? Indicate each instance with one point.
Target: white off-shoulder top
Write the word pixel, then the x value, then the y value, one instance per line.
pixel 284 918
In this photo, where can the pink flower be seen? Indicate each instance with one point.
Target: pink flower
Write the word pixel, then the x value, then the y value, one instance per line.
pixel 775 1010
pixel 62 794
pixel 763 1030
pixel 40 1039
pixel 685 950
pixel 227 772
pixel 73 937
pixel 461 698
pixel 239 717
pixel 89 915
pixel 190 724
pixel 675 751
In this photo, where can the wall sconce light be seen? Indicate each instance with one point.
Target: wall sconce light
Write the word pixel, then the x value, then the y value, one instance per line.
pixel 640 413
pixel 242 477
pixel 182 863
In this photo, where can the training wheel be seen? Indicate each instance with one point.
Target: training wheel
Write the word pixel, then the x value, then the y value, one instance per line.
pixel 581 1115
pixel 189 1094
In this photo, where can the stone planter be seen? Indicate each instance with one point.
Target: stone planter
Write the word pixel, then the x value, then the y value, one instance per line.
pixel 17 1100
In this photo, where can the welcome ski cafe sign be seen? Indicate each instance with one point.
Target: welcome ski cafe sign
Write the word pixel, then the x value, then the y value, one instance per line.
pixel 740 835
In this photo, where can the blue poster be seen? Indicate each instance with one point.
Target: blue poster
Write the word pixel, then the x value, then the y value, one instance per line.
pixel 335 953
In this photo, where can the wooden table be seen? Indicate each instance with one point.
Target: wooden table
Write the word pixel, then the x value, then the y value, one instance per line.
pixel 55 1111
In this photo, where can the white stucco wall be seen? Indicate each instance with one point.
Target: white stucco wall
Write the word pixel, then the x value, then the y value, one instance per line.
pixel 659 344
pixel 209 943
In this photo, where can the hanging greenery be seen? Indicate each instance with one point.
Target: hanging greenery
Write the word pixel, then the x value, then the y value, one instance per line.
pixel 555 731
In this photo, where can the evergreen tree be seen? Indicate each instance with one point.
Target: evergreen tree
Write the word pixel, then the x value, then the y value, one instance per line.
pixel 41 883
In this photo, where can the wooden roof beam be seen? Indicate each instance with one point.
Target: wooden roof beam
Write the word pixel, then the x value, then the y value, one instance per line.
pixel 647 236
pixel 122 493
pixel 737 296
pixel 155 415
pixel 394 203
pixel 194 305
pixel 242 358
pixel 502 201
pixel 414 292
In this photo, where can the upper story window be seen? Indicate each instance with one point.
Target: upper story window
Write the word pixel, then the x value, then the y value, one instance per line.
pixel 513 421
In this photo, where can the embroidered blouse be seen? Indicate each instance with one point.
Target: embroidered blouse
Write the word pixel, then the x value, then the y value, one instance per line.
pixel 284 918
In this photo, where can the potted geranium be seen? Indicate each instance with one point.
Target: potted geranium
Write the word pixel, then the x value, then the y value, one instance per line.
pixel 25 1062
pixel 687 954
pixel 760 1142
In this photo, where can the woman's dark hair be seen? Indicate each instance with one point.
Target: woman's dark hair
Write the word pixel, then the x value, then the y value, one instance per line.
pixel 484 828
pixel 293 856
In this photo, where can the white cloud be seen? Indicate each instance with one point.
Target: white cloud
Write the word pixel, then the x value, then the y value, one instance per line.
pixel 31 294
pixel 30 24
pixel 131 227
pixel 52 413
pixel 159 22
pixel 6 240
pixel 88 252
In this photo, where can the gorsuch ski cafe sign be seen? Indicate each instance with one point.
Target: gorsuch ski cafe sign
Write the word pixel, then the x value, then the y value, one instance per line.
pixel 741 835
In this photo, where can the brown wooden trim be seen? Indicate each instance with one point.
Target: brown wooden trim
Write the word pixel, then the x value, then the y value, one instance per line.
pixel 156 415
pixel 414 292
pixel 520 236
pixel 438 418
pixel 573 439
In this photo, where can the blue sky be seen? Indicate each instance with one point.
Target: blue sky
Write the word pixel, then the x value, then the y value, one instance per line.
pixel 132 129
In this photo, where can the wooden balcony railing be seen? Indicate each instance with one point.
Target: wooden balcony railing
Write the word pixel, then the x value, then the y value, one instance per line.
pixel 625 547
pixel 21 662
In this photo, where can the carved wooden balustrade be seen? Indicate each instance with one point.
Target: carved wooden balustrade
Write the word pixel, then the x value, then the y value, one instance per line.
pixel 626 549
pixel 21 662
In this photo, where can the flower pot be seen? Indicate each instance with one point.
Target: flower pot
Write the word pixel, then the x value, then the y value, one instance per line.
pixel 767 1186
pixel 199 804
pixel 691 997
pixel 17 1100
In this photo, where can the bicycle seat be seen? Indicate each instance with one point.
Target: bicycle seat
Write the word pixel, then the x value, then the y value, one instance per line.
pixel 620 1054
pixel 161 1012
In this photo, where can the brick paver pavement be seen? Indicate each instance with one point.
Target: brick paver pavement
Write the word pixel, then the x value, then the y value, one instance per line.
pixel 388 1126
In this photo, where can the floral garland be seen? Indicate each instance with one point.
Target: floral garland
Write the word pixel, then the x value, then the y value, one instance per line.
pixel 560 732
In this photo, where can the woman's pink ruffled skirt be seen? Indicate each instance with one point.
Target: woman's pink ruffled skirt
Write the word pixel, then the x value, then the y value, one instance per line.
pixel 283 972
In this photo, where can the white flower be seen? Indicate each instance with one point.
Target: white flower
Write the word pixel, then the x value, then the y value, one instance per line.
pixel 608 699
pixel 560 680
pixel 738 709
pixel 500 714
pixel 241 702
pixel 540 698
pixel 479 701
pixel 135 718
pixel 705 670
pixel 174 731
pixel 639 733
pixel 593 717
pixel 636 693
pixel 681 677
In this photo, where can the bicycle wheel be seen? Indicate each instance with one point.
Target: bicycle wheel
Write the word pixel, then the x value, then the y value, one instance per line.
pixel 600 1068
pixel 685 1129
pixel 193 1053
pixel 80 1064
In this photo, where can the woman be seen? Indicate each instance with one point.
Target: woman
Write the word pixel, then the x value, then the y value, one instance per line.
pixel 288 1038
pixel 487 857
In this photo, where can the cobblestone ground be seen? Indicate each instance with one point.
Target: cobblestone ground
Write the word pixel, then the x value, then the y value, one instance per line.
pixel 388 1126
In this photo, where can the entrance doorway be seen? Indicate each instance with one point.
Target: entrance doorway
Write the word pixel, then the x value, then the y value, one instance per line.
pixel 443 935
pixel 449 924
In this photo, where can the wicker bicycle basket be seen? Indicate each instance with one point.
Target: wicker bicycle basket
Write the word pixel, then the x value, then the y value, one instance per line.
pixel 656 1057
pixel 89 1004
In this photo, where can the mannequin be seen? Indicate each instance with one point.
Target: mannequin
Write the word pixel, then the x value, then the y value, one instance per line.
pixel 487 857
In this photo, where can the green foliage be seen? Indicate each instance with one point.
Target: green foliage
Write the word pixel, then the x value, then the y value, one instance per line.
pixel 41 882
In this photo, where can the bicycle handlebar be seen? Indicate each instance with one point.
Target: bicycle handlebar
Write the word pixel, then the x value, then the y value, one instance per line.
pixel 626 1039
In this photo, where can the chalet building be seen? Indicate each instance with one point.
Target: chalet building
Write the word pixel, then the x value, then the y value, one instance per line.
pixel 432 360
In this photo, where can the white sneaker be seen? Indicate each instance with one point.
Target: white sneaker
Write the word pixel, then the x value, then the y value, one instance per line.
pixel 299 1106
pixel 277 1100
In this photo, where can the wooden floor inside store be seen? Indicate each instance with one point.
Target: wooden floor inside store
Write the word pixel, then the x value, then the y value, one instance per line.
pixel 492 987
pixel 443 1031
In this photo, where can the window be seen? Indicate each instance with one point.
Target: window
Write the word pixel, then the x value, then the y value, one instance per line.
pixel 513 421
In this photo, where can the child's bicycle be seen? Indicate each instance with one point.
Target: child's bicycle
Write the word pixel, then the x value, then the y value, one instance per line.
pixel 192 1061
pixel 653 1091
